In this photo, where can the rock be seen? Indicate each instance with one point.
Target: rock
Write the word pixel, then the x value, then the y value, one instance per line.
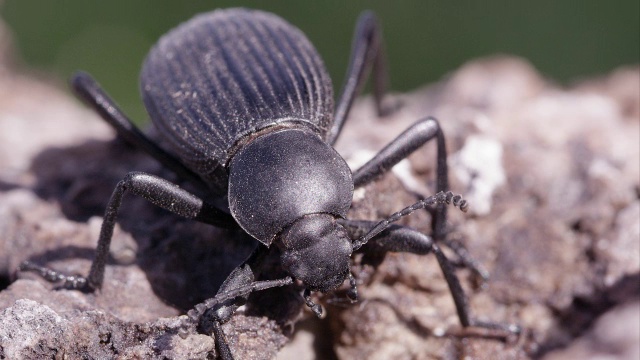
pixel 559 236
pixel 615 335
pixel 556 225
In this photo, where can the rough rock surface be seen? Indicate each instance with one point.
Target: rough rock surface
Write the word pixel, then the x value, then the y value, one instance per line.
pixel 552 174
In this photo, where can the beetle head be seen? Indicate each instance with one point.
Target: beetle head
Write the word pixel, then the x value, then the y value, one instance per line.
pixel 316 250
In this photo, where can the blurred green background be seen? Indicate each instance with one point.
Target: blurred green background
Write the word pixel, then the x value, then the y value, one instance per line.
pixel 565 40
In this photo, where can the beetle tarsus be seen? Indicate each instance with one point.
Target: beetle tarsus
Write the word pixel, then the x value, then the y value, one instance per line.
pixel 70 282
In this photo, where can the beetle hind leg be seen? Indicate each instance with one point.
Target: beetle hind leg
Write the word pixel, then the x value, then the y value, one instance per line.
pixel 367 54
pixel 91 93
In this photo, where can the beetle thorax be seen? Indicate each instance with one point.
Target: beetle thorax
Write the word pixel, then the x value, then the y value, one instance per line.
pixel 283 176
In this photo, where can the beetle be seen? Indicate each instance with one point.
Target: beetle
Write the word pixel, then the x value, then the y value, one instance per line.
pixel 245 105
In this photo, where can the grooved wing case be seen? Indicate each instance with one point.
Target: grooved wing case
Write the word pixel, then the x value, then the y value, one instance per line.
pixel 226 74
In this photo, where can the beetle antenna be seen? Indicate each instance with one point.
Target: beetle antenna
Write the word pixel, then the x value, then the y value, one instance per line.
pixel 439 198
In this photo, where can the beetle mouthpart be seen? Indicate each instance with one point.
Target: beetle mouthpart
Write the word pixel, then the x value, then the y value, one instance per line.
pixel 316 308
pixel 352 293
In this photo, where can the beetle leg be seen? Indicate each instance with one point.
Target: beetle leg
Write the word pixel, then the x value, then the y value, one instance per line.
pixel 400 148
pixel 466 260
pixel 397 238
pixel 435 200
pixel 366 52
pixel 233 293
pixel 66 281
pixel 91 93
pixel 158 191
pixel 222 345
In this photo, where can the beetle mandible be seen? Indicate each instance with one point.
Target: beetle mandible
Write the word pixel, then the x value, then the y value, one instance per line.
pixel 245 104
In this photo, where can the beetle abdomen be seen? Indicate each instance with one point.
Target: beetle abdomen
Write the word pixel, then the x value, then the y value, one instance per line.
pixel 228 73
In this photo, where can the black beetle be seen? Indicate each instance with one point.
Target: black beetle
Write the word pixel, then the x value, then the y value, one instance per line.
pixel 246 106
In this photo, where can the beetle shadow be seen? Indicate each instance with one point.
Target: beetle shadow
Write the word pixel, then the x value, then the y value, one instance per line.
pixel 6 186
pixel 184 261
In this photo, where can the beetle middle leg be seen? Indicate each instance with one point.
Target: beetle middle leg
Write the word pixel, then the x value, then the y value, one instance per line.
pixel 400 148
pixel 158 191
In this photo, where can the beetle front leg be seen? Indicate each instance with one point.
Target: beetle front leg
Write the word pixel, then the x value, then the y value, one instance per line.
pixel 397 238
pixel 233 293
pixel 158 191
